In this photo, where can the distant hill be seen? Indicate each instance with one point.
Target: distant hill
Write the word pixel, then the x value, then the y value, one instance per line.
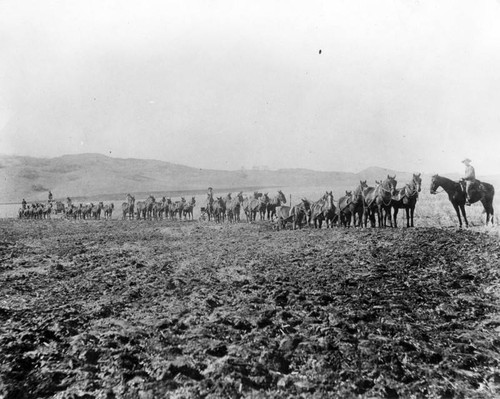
pixel 90 175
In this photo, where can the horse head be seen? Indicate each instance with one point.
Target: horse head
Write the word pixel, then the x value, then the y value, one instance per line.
pixel 281 197
pixel 417 180
pixel 392 182
pixel 434 184
pixel 329 199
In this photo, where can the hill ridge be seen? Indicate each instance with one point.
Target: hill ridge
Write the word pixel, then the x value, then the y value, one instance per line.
pixel 91 174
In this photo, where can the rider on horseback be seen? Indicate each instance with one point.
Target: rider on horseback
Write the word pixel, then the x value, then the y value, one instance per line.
pixel 470 177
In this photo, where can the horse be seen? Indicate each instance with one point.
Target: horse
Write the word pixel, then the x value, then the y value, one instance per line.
pixel 234 207
pixel 188 209
pixel 219 210
pixel 356 205
pixel 59 207
pixel 209 207
pixel 96 210
pixel 227 202
pixel 344 212
pixel 479 191
pixel 406 198
pixel 273 203
pixel 300 213
pixel 377 200
pixel 148 205
pixel 128 207
pixel 252 206
pixel 108 210
pixel 323 209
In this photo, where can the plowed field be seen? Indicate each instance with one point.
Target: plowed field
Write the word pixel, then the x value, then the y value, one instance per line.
pixel 130 309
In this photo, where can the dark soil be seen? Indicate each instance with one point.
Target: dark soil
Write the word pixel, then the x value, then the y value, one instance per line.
pixel 127 309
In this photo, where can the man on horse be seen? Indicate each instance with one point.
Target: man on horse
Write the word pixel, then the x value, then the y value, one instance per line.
pixel 470 177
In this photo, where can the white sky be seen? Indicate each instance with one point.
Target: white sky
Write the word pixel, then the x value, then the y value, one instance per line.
pixel 405 84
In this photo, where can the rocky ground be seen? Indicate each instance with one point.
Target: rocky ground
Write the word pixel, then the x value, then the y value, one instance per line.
pixel 128 309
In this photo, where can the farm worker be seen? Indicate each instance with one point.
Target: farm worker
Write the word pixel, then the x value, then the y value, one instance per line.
pixel 470 177
pixel 50 196
pixel 23 203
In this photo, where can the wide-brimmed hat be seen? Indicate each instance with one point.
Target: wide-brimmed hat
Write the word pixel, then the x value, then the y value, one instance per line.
pixel 466 160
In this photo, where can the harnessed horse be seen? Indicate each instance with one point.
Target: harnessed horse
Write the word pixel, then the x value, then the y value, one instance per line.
pixel 209 204
pixel 352 206
pixel 273 203
pixel 406 198
pixel 323 209
pixel 377 200
pixel 128 207
pixel 234 207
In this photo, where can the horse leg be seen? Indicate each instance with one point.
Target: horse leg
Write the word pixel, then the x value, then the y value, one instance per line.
pixel 388 216
pixel 458 213
pixel 462 208
pixel 488 208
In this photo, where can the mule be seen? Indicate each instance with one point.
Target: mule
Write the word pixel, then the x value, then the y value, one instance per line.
pixel 479 191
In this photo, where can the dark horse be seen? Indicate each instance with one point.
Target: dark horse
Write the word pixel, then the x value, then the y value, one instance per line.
pixel 479 191
pixel 351 205
pixel 377 200
pixel 406 198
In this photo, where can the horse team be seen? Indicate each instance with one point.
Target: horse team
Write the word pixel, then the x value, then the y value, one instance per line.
pixel 152 209
pixel 364 205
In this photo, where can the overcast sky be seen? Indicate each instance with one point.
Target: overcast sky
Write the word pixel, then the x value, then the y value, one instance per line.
pixel 224 84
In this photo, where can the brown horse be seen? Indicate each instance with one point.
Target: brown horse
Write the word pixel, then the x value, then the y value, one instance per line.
pixel 252 206
pixel 234 207
pixel 377 200
pixel 273 203
pixel 323 209
pixel 128 207
pixel 406 198
pixel 479 191
pixel 219 210
pixel 353 206
pixel 300 213
pixel 209 204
